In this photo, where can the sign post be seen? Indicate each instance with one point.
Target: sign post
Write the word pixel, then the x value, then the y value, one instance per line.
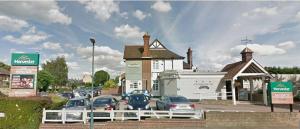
pixel 281 93
pixel 23 74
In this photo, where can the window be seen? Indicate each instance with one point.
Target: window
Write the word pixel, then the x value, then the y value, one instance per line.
pixel 134 85
pixel 155 64
pixel 155 85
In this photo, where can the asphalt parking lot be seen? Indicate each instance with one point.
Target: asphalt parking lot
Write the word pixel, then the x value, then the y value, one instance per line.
pixel 240 107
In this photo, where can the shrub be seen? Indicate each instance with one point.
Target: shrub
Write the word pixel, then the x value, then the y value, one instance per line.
pixel 22 113
pixel 26 113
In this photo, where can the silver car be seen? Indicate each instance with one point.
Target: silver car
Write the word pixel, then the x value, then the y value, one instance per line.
pixel 77 104
pixel 175 103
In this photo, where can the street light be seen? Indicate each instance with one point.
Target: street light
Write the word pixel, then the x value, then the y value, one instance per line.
pixel 93 41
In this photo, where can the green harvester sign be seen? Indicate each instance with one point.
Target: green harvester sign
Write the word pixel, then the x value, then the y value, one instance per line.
pixel 281 92
pixel 25 59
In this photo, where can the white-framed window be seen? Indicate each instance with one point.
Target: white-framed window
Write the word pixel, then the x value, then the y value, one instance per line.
pixel 134 85
pixel 155 85
pixel 155 64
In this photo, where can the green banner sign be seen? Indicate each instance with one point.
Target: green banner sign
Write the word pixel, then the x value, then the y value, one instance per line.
pixel 25 59
pixel 281 87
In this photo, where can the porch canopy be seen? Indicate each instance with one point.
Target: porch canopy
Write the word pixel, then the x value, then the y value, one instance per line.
pixel 246 70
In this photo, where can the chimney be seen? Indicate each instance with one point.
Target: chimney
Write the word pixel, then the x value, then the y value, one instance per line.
pixel 190 58
pixel 146 52
pixel 246 54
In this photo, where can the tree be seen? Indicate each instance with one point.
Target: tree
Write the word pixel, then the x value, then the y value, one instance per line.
pixel 44 80
pixel 101 77
pixel 58 69
pixel 110 84
pixel 117 79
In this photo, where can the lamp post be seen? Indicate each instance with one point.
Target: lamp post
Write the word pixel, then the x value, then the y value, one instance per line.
pixel 93 41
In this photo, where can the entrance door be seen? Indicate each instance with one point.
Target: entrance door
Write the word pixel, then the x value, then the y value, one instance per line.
pixel 228 89
pixel 155 88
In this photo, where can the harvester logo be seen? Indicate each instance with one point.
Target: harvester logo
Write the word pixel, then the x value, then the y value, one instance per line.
pixel 24 60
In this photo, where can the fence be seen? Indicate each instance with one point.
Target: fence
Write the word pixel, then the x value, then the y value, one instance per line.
pixel 84 115
pixel 214 95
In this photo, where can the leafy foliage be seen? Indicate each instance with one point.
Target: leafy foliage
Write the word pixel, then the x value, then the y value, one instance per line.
pixel 117 79
pixel 101 77
pixel 22 113
pixel 110 84
pixel 44 80
pixel 58 69
pixel 283 70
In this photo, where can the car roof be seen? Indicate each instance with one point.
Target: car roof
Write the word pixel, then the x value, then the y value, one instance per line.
pixel 78 98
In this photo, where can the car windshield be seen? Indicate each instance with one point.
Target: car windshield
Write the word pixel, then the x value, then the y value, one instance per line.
pixel 101 101
pixel 75 103
pixel 137 99
pixel 178 99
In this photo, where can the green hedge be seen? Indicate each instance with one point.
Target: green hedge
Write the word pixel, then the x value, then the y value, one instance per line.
pixel 25 113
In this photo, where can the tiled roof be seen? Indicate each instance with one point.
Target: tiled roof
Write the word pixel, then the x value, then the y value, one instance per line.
pixel 4 71
pixel 136 52
pixel 233 69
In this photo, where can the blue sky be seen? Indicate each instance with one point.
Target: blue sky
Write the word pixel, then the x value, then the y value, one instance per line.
pixel 212 29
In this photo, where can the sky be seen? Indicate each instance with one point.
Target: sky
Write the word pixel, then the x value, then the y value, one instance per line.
pixel 213 30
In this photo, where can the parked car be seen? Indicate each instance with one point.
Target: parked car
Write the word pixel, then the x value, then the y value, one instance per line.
pixel 175 103
pixel 105 103
pixel 144 92
pixel 67 95
pixel 79 93
pixel 137 101
pixel 77 104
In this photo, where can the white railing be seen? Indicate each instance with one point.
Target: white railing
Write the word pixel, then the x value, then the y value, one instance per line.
pixel 213 95
pixel 64 116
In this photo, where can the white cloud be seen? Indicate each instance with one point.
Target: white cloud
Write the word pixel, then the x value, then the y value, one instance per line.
pixel 30 37
pixel 261 11
pixel 260 49
pixel 124 15
pixel 11 24
pixel 126 31
pixel 52 46
pixel 287 45
pixel 161 6
pixel 41 11
pixel 73 65
pixel 140 15
pixel 104 57
pixel 103 9
pixel 65 55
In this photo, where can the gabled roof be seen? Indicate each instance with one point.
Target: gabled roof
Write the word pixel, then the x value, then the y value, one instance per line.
pixel 233 69
pixel 136 52
pixel 242 67
pixel 156 44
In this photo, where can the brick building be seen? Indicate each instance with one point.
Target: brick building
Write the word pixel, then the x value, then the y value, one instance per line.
pixel 145 62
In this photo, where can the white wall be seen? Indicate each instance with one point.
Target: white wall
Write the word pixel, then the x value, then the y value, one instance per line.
pixel 188 86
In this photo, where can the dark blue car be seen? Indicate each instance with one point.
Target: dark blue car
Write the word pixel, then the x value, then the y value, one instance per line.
pixel 137 101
